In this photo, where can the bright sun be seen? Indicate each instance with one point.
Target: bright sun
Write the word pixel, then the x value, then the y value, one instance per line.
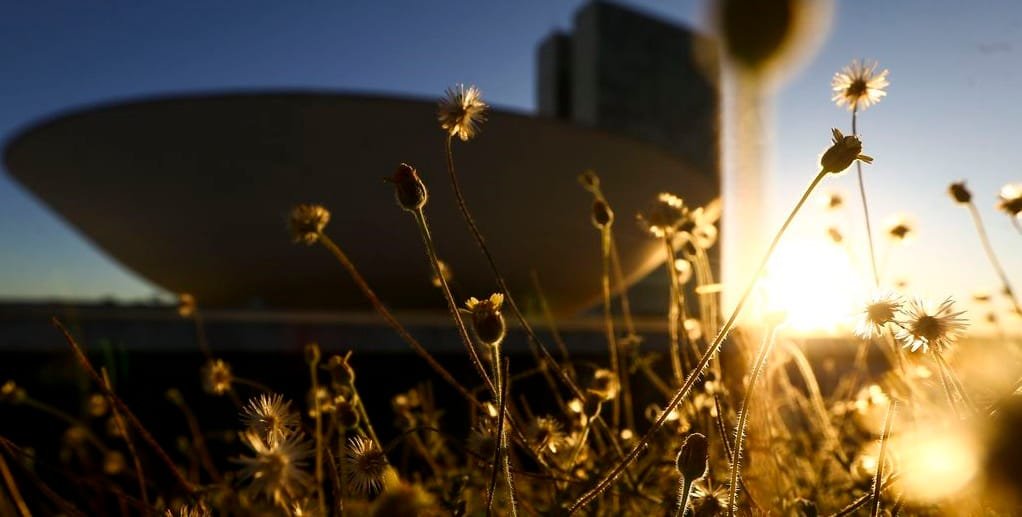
pixel 815 283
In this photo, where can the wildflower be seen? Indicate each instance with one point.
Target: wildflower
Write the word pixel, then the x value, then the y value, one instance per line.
pixel 699 226
pixel 460 110
pixel 1011 200
pixel 602 215
pixel 276 469
pixel 114 463
pixel 692 461
pixel 844 151
pixel 960 193
pixel 708 501
pixel 186 305
pixel 487 321
pixel 11 393
pixel 270 417
pixel 409 190
pixel 605 385
pixel 546 434
pixel 881 310
pixel 899 229
pixel 664 216
pixel 925 326
pixel 199 510
pixel 97 405
pixel 445 272
pixel 835 235
pixel 832 201
pixel 216 377
pixel 366 465
pixel 858 85
pixel 307 223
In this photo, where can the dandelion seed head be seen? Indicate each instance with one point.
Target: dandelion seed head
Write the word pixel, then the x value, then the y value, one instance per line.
pixel 881 309
pixel 924 325
pixel 216 377
pixel 367 465
pixel 307 223
pixel 461 110
pixel 546 435
pixel 270 417
pixel 276 470
pixel 859 85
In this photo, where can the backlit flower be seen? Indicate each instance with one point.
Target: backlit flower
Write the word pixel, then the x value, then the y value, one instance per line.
pixel 216 377
pixel 881 310
pixel 307 222
pixel 1010 200
pixel 461 110
pixel 487 320
pixel 276 469
pixel 899 229
pixel 924 326
pixel 366 465
pixel 859 85
pixel 270 417
pixel 843 151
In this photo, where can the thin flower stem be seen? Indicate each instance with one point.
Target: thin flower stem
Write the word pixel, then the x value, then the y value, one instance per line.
pixel 142 431
pixel 1016 224
pixel 320 488
pixel 956 383
pixel 452 305
pixel 947 389
pixel 882 458
pixel 674 313
pixel 198 439
pixel 608 320
pixel 684 491
pixel 467 216
pixel 392 321
pixel 743 417
pixel 865 206
pixel 122 428
pixel 985 240
pixel 12 488
pixel 552 324
pixel 683 392
pixel 622 285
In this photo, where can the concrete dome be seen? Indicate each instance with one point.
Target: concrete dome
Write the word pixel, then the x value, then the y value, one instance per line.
pixel 193 192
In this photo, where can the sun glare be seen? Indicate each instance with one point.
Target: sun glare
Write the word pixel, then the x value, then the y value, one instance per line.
pixel 814 282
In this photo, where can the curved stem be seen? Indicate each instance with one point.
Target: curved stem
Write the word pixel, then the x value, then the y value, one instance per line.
pixel 985 240
pixel 684 491
pixel 674 312
pixel 463 207
pixel 452 305
pixel 865 206
pixel 743 417
pixel 392 321
pixel 882 458
pixel 683 392
pixel 319 431
pixel 608 320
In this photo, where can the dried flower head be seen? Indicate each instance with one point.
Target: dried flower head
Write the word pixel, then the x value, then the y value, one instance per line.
pixel 199 510
pixel 924 325
pixel 270 418
pixel 367 465
pixel 409 190
pixel 1010 200
pixel 341 371
pixel 960 193
pixel 605 385
pixel 602 215
pixel 843 151
pixel 308 222
pixel 487 320
pixel 859 85
pixel 186 305
pixel 707 501
pixel 216 377
pixel 699 226
pixel 899 229
pixel 832 201
pixel 546 435
pixel 883 308
pixel 663 216
pixel 461 110
pixel 276 469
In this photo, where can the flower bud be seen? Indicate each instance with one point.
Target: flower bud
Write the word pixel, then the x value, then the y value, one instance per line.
pixel 693 458
pixel 409 189
pixel 340 370
pixel 960 193
pixel 312 354
pixel 603 216
pixel 844 151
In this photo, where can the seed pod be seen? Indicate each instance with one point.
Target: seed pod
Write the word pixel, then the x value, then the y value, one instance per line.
pixel 409 189
pixel 603 216
pixel 307 223
pixel 487 320
pixel 844 151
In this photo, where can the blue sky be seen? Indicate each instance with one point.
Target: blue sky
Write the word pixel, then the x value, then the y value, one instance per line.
pixel 951 112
